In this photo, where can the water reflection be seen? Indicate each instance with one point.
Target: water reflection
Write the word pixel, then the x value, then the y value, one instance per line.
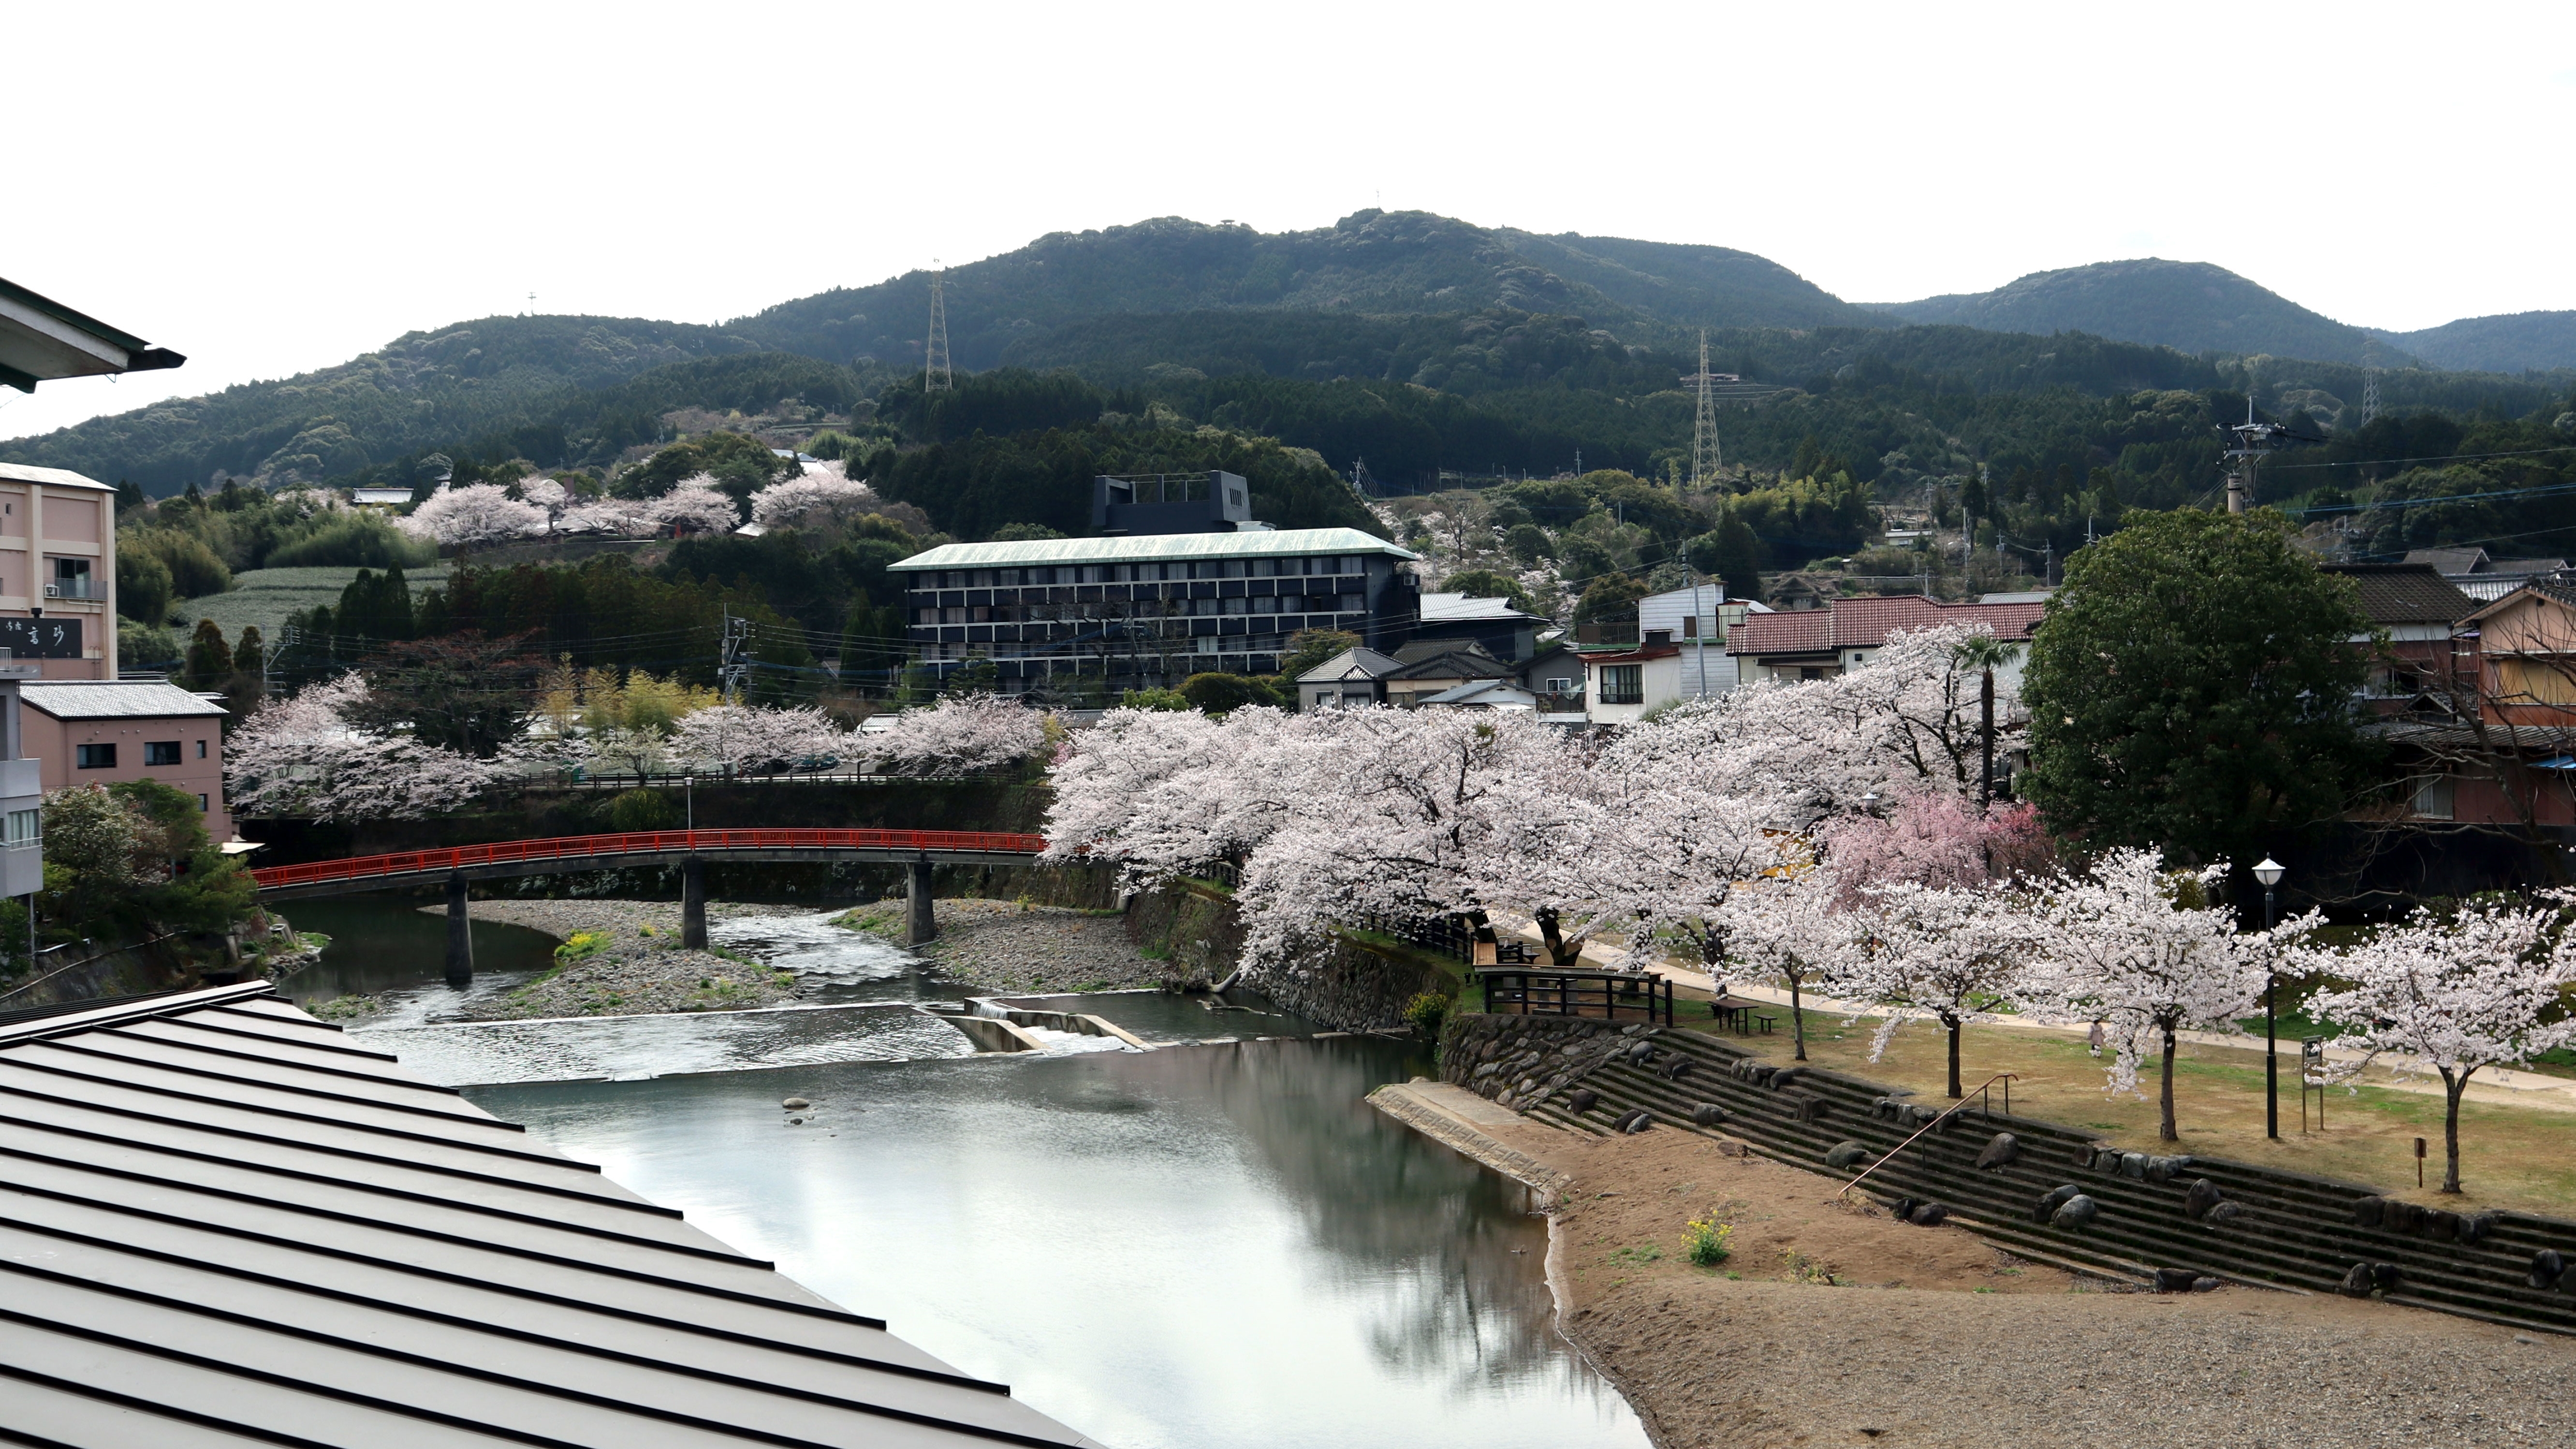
pixel 388 944
pixel 1200 1246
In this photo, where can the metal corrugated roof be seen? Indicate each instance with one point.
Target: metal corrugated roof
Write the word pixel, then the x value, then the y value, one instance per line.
pixel 1151 548
pixel 50 477
pixel 116 699
pixel 221 1223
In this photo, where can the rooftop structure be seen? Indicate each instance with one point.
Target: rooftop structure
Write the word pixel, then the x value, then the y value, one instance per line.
pixel 1212 502
pixel 228 1225
pixel 1150 609
pixel 2410 597
pixel 1348 680
pixel 1817 643
pixel 2480 577
pixel 1505 632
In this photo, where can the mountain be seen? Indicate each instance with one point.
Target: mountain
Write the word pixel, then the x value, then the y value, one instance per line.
pixel 2192 306
pixel 1371 262
pixel 421 390
pixel 2512 342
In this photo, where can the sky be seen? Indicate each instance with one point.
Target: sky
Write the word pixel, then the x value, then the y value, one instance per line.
pixel 270 188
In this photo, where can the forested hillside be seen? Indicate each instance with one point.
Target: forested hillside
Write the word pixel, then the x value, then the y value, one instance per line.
pixel 2514 342
pixel 2188 305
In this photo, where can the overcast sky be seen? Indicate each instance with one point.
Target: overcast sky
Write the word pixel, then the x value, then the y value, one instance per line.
pixel 270 189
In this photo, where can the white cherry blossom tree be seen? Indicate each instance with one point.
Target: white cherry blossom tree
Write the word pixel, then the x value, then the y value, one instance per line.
pixel 2137 948
pixel 1952 954
pixel 2449 996
pixel 822 492
pixel 1789 925
pixel 474 516
pixel 962 735
pixel 694 505
pixel 300 756
pixel 731 738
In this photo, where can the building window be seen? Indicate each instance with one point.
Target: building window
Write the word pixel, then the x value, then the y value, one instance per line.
pixel 161 752
pixel 1560 686
pixel 201 749
pixel 98 757
pixel 1623 684
pixel 202 804
pixel 1207 644
pixel 26 827
pixel 2433 798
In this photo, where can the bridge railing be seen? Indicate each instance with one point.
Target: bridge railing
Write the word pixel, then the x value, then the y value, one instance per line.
pixel 645 842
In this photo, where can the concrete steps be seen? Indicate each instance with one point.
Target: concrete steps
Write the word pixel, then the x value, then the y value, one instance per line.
pixel 2292 1231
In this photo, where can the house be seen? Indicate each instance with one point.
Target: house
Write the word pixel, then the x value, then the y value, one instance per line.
pixel 2418 609
pixel 1698 621
pixel 1348 680
pixel 58 571
pixel 380 497
pixel 1426 667
pixel 1149 609
pixel 1504 632
pixel 2525 655
pixel 1620 685
pixel 1555 677
pixel 1484 694
pixel 2480 577
pixel 1819 643
pixel 85 732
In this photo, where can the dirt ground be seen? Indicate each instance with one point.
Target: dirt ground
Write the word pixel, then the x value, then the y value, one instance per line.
pixel 1834 1325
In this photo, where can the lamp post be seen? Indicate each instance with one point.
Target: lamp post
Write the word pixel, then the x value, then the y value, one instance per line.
pixel 2270 873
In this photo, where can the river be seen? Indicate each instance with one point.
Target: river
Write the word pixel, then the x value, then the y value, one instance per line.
pixel 1212 1244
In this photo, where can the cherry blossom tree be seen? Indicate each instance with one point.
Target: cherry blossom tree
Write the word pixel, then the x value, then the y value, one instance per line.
pixel 2138 948
pixel 474 516
pixel 730 738
pixel 616 517
pixel 2450 995
pixel 822 491
pixel 1935 838
pixel 639 750
pixel 1790 925
pixel 301 756
pixel 962 735
pixel 694 505
pixel 1949 953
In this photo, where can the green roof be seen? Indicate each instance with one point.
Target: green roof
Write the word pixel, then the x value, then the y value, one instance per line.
pixel 1152 548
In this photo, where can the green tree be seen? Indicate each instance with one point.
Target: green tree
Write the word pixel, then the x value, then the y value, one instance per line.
pixel 210 659
pixel 1730 554
pixel 1487 584
pixel 1609 599
pixel 2191 688
pixel 143 587
pixel 1225 693
pixel 1310 647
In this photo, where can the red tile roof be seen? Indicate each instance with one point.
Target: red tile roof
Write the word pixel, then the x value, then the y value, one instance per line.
pixel 1866 623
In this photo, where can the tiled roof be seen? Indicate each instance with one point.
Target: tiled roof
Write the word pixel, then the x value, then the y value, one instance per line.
pixel 223 1224
pixel 2406 593
pixel 116 699
pixel 1454 664
pixel 1152 547
pixel 1462 608
pixel 1866 623
pixel 1358 663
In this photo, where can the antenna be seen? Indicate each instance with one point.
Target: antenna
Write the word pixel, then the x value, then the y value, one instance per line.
pixel 1706 456
pixel 935 376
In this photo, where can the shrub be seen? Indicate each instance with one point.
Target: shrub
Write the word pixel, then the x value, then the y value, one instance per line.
pixel 1707 1240
pixel 346 538
pixel 580 944
pixel 644 809
pixel 1427 1013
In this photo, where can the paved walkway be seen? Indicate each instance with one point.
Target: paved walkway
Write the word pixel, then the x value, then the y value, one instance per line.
pixel 2499 1086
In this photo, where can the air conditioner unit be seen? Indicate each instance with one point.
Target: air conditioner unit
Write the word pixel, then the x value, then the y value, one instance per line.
pixel 53 591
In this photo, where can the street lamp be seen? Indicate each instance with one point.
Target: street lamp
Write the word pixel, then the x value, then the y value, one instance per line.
pixel 2270 873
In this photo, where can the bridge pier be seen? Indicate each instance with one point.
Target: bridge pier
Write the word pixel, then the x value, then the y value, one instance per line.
pixel 693 903
pixel 460 933
pixel 921 922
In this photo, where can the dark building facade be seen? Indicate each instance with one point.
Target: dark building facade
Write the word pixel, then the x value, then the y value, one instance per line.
pixel 1152 609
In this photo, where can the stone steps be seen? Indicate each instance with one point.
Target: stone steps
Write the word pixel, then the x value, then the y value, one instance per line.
pixel 2292 1230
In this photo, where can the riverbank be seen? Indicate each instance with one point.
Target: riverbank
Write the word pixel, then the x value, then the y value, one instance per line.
pixel 630 962
pixel 1009 947
pixel 1835 1324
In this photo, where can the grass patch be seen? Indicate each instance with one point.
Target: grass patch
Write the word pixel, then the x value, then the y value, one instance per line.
pixel 2510 1156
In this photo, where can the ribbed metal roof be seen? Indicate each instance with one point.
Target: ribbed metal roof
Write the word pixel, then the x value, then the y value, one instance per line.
pixel 116 699
pixel 1152 548
pixel 221 1224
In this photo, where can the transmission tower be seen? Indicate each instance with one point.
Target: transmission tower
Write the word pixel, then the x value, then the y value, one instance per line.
pixel 1706 456
pixel 935 376
pixel 2370 382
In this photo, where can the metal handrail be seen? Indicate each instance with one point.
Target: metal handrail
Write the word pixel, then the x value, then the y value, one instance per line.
pixel 2004 1077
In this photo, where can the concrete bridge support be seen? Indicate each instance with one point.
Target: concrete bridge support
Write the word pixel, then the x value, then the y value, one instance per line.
pixel 460 933
pixel 693 903
pixel 921 923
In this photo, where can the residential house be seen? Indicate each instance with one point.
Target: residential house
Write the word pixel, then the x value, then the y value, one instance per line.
pixel 1426 667
pixel 1819 643
pixel 101 731
pixel 1503 631
pixel 2480 577
pixel 1501 694
pixel 2418 609
pixel 1554 676
pixel 1348 680
pixel 1697 621
pixel 1620 685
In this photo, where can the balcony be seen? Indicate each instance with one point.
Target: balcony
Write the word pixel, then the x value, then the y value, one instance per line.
pixel 82 587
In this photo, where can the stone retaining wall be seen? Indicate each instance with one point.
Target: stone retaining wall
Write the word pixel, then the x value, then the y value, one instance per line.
pixel 1352 988
pixel 1515 1061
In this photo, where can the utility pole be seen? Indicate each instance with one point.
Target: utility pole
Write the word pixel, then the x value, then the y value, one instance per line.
pixel 935 376
pixel 730 666
pixel 2253 442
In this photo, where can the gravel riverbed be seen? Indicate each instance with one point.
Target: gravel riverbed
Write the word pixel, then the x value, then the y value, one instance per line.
pixel 1002 946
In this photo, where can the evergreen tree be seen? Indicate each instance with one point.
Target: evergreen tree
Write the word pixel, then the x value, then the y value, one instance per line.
pixel 210 659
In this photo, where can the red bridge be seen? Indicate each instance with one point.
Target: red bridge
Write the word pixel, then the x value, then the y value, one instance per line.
pixel 457 866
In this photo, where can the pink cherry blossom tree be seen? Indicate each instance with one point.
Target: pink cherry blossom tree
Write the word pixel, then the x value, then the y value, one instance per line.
pixel 1789 924
pixel 1953 954
pixel 694 505
pixel 962 735
pixel 302 757
pixel 2450 995
pixel 731 738
pixel 474 516
pixel 2139 949
pixel 821 493
pixel 1937 838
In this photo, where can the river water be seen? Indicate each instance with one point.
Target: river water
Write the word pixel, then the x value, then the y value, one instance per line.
pixel 1212 1244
